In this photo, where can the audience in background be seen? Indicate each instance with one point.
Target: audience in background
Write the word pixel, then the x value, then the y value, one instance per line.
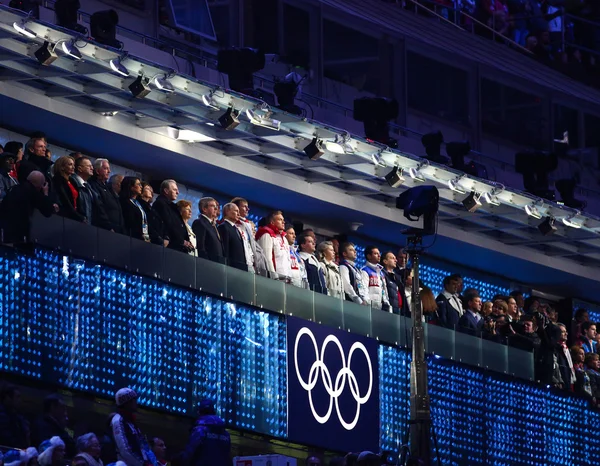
pixel 88 451
pixel 208 238
pixel 7 178
pixel 231 238
pixel 315 273
pixel 271 239
pixel 394 284
pixel 354 288
pixel 67 194
pixel 110 214
pixel 136 219
pixel 53 424
pixel 185 210
pixel 297 267
pixel 333 279
pixel 374 279
pixel 174 227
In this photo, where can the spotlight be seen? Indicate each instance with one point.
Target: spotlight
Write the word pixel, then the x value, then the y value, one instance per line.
pixel 491 197
pixel 415 173
pixel 229 120
pixel 162 83
pixel 376 113
pixel 140 88
pixel 395 178
pixel 209 101
pixel 532 210
pixel 566 188
pixel 117 66
pixel 472 202
pixel 454 185
pixel 69 48
pixel 457 151
pixel 432 143
pixel 66 15
pixel 535 167
pixel 341 144
pixel 314 149
pixel 420 201
pixel 568 221
pixel 103 28
pixel 240 64
pixel 547 226
pixel 263 120
pixel 46 54
pixel 24 30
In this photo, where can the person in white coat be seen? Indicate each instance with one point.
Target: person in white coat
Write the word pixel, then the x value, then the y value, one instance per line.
pixel 276 249
pixel 373 276
pixel 333 278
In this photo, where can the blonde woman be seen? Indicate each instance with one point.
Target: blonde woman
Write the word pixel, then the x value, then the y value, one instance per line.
pixel 65 190
pixel 326 254
pixel 185 209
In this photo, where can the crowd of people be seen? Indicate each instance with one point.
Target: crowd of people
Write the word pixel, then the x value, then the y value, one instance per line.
pixel 47 440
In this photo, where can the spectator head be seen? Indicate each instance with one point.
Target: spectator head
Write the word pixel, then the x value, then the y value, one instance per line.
pixel 451 283
pixel 64 166
pixel 126 399
pixel 290 234
pixel 185 209
pixel 562 333
pixel 313 460
pixel 592 361
pixel 14 457
pixel 36 147
pixel 486 308
pixel 89 443
pixel 31 457
pixel 528 324
pixel 10 397
pixel 518 296
pixel 102 169
pixel 84 168
pixel 147 192
pixel 7 161
pixel 552 314
pixel 131 187
pixel 389 261
pixel 500 307
pixel 348 252
pixel 55 407
pixel 326 251
pixel 115 183
pixel 581 315
pixel 460 281
pixel 368 458
pixel 76 155
pixel 208 207
pixel 513 309
pixel 37 179
pixel 169 189
pixel 402 258
pixel 577 354
pixel 242 205
pixel 531 42
pixel 372 254
pixel 206 407
pixel 16 148
pixel 310 232
pixel 306 243
pixel 158 448
pixel 276 220
pixel 427 300
pixel 231 212
pixel 473 301
pixel 588 329
pixel 52 452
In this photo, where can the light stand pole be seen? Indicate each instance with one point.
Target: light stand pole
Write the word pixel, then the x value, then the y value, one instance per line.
pixel 420 412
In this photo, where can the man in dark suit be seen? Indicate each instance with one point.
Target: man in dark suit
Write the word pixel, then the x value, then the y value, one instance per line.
pixel 84 170
pixel 208 238
pixel 471 321
pixel 19 204
pixel 35 160
pixel 231 237
pixel 175 230
pixel 395 286
pixel 109 214
pixel 450 308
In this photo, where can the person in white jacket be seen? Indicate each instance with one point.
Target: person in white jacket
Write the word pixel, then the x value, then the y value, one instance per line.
pixel 271 238
pixel 335 286
pixel 297 266
pixel 372 274
pixel 354 288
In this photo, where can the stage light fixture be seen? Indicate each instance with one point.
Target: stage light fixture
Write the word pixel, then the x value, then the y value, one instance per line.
pixel 66 15
pixel 162 83
pixel 377 159
pixel 454 185
pixel 314 149
pixel 376 113
pixel 209 101
pixel 395 178
pixel 140 87
pixel 117 66
pixel 240 64
pixel 46 54
pixel 229 120
pixel 472 202
pixel 547 226
pixel 70 49
pixel 187 135
pixel 341 144
pixel 103 28
pixel 420 201
pixel 533 211
pixel 415 173
pixel 491 197
pixel 432 142
pixel 568 221
pixel 24 30
pixel 263 120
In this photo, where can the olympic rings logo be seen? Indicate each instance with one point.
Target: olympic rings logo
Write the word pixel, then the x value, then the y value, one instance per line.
pixel 334 388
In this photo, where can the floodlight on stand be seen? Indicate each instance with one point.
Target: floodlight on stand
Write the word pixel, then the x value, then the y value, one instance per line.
pixel 533 211
pixel 70 49
pixel 395 178
pixel 568 221
pixel 116 64
pixel 472 202
pixel 547 226
pixel 314 149
pixel 491 197
pixel 341 144
pixel 46 54
pixel 162 83
pixel 229 119
pixel 454 184
pixel 263 120
pixel 24 30
pixel 140 87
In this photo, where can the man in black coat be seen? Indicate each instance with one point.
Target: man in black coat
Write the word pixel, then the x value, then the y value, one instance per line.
pixel 233 243
pixel 108 208
pixel 35 160
pixel 19 204
pixel 395 287
pixel 174 227
pixel 208 238
pixel 450 307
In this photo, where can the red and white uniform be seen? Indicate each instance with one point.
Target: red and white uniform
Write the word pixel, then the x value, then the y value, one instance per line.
pixel 276 251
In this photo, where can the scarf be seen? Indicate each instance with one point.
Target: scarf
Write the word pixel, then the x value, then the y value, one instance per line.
pixel 89 459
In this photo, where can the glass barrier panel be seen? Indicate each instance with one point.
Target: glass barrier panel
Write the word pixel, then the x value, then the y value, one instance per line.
pixel 494 356
pixel 328 311
pixel 48 232
pixel 357 317
pixel 385 326
pixel 146 258
pixel 440 341
pixel 299 302
pixel 113 249
pixel 240 286
pixel 211 277
pixel 520 363
pixel 80 239
pixel 270 294
pixel 179 268
pixel 467 349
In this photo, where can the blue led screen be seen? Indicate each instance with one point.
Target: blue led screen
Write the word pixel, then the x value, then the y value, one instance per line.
pixel 96 329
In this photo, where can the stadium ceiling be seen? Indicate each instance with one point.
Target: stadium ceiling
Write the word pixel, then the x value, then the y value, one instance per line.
pixel 511 218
